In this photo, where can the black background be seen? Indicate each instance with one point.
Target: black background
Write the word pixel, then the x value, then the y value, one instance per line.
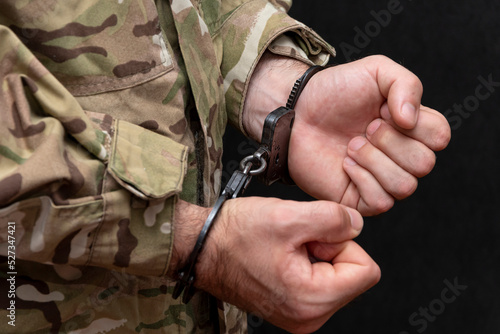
pixel 449 229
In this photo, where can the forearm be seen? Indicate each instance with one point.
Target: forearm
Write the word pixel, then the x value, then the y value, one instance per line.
pixel 269 88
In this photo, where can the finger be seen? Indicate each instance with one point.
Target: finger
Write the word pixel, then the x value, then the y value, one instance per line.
pixel 322 221
pixel 372 199
pixel 323 251
pixel 328 286
pixel 432 128
pixel 351 194
pixel 394 179
pixel 402 89
pixel 408 153
pixel 350 272
pixel 326 252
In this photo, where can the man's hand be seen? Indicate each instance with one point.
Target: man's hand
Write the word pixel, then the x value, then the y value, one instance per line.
pixel 258 257
pixel 360 137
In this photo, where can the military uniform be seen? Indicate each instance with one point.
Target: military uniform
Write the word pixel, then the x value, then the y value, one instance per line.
pixel 110 112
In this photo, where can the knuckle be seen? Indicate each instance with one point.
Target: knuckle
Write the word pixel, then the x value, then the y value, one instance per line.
pixel 319 210
pixel 379 59
pixel 336 212
pixel 415 82
pixel 374 273
pixel 406 187
pixel 423 162
pixel 382 207
pixel 441 138
pixel 342 218
pixel 380 204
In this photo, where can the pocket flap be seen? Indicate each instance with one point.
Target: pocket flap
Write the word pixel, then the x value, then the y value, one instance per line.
pixel 146 163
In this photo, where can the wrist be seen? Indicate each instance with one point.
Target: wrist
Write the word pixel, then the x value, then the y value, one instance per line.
pixel 269 88
pixel 188 222
pixel 210 267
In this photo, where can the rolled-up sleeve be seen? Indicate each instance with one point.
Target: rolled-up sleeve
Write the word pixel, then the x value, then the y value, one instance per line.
pixel 252 28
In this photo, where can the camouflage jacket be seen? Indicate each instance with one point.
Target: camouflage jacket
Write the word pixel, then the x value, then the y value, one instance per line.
pixel 110 112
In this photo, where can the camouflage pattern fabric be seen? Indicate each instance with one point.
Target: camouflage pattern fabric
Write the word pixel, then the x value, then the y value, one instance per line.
pixel 111 111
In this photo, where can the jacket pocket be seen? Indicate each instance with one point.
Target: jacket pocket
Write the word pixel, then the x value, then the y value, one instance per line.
pixel 147 164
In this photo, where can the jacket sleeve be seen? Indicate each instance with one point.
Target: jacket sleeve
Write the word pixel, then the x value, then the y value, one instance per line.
pixel 71 181
pixel 253 27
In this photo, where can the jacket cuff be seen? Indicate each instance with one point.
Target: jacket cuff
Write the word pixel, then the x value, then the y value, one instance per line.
pixel 270 28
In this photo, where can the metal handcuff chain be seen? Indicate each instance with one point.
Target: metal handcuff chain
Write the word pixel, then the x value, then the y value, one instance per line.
pixel 270 162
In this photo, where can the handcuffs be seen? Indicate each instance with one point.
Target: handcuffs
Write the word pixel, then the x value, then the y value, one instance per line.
pixel 271 165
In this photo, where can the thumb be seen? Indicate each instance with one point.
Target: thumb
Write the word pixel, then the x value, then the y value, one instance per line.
pixel 325 221
pixel 402 89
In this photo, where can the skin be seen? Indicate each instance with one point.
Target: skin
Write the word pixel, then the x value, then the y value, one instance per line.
pixel 257 257
pixel 361 139
pixel 364 119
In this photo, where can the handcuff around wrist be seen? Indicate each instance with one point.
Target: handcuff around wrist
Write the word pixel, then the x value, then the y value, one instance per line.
pixel 271 165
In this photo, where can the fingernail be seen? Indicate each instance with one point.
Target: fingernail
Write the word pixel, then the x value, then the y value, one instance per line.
pixel 357 143
pixel 373 126
pixel 409 112
pixel 350 161
pixel 356 220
